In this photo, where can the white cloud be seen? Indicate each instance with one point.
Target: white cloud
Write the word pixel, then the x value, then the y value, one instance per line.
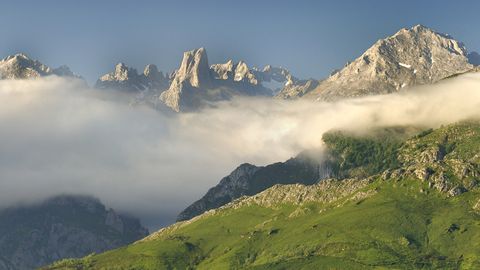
pixel 57 136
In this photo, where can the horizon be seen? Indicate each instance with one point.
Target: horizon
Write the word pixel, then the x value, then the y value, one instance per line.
pixel 259 40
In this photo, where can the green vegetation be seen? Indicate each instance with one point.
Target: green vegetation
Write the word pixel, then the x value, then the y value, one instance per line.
pixel 395 221
pixel 355 156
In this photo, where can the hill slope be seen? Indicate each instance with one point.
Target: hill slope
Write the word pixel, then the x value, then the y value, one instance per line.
pixel 419 210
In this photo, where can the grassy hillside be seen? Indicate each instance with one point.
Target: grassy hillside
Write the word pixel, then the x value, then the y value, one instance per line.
pixel 415 205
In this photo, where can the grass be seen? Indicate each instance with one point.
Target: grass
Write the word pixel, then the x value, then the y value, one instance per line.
pixel 403 225
pixel 397 228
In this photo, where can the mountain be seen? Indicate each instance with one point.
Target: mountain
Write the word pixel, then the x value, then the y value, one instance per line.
pixel 145 88
pixel 307 168
pixel 410 57
pixel 408 204
pixel 20 66
pixel 127 79
pixel 196 84
pixel 247 180
pixel 61 227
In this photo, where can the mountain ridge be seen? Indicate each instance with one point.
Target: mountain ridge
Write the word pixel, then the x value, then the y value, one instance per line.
pixel 20 66
pixel 410 57
pixel 63 226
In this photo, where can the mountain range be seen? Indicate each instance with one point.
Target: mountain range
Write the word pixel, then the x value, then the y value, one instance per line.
pixel 410 57
pixel 315 195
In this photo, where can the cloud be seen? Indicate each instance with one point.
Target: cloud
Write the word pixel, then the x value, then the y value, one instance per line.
pixel 57 136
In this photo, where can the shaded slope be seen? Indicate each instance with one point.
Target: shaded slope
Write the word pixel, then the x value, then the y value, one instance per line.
pixel 61 227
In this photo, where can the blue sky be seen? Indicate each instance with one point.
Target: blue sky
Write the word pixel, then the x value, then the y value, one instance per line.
pixel 311 38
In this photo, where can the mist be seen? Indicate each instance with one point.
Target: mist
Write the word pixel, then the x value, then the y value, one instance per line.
pixel 58 136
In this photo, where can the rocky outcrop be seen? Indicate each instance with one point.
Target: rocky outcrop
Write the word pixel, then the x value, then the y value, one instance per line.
pixel 326 191
pixel 127 79
pixel 297 89
pixel 411 57
pixel 230 187
pixel 247 180
pixel 189 82
pixel 329 191
pixel 195 84
pixel 223 71
pixel 20 66
pixel 238 72
pixel 61 227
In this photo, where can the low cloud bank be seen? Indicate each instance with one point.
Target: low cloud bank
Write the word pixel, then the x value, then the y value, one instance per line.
pixel 57 136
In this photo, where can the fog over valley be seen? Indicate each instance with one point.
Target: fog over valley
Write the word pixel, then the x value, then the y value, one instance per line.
pixel 60 136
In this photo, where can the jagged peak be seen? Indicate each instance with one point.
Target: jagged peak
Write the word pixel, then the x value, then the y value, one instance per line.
pixel 194 67
pixel 421 27
pixel 198 53
pixel 150 70
pixel 17 56
pixel 64 70
pixel 121 66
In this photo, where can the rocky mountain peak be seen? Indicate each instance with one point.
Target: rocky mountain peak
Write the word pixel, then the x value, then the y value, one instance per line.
pixel 127 79
pixel 414 56
pixel 17 57
pixel 243 73
pixel 20 66
pixel 151 70
pixel 194 68
pixel 123 72
pixel 223 71
pixel 192 76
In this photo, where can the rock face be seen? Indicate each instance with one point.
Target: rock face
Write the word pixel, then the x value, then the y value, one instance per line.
pixel 411 57
pixel 298 89
pixel 189 81
pixel 196 84
pixel 62 227
pixel 127 79
pixel 145 88
pixel 20 66
pixel 194 69
pixel 249 180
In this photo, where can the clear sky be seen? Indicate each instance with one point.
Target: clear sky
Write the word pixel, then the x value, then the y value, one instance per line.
pixel 310 38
